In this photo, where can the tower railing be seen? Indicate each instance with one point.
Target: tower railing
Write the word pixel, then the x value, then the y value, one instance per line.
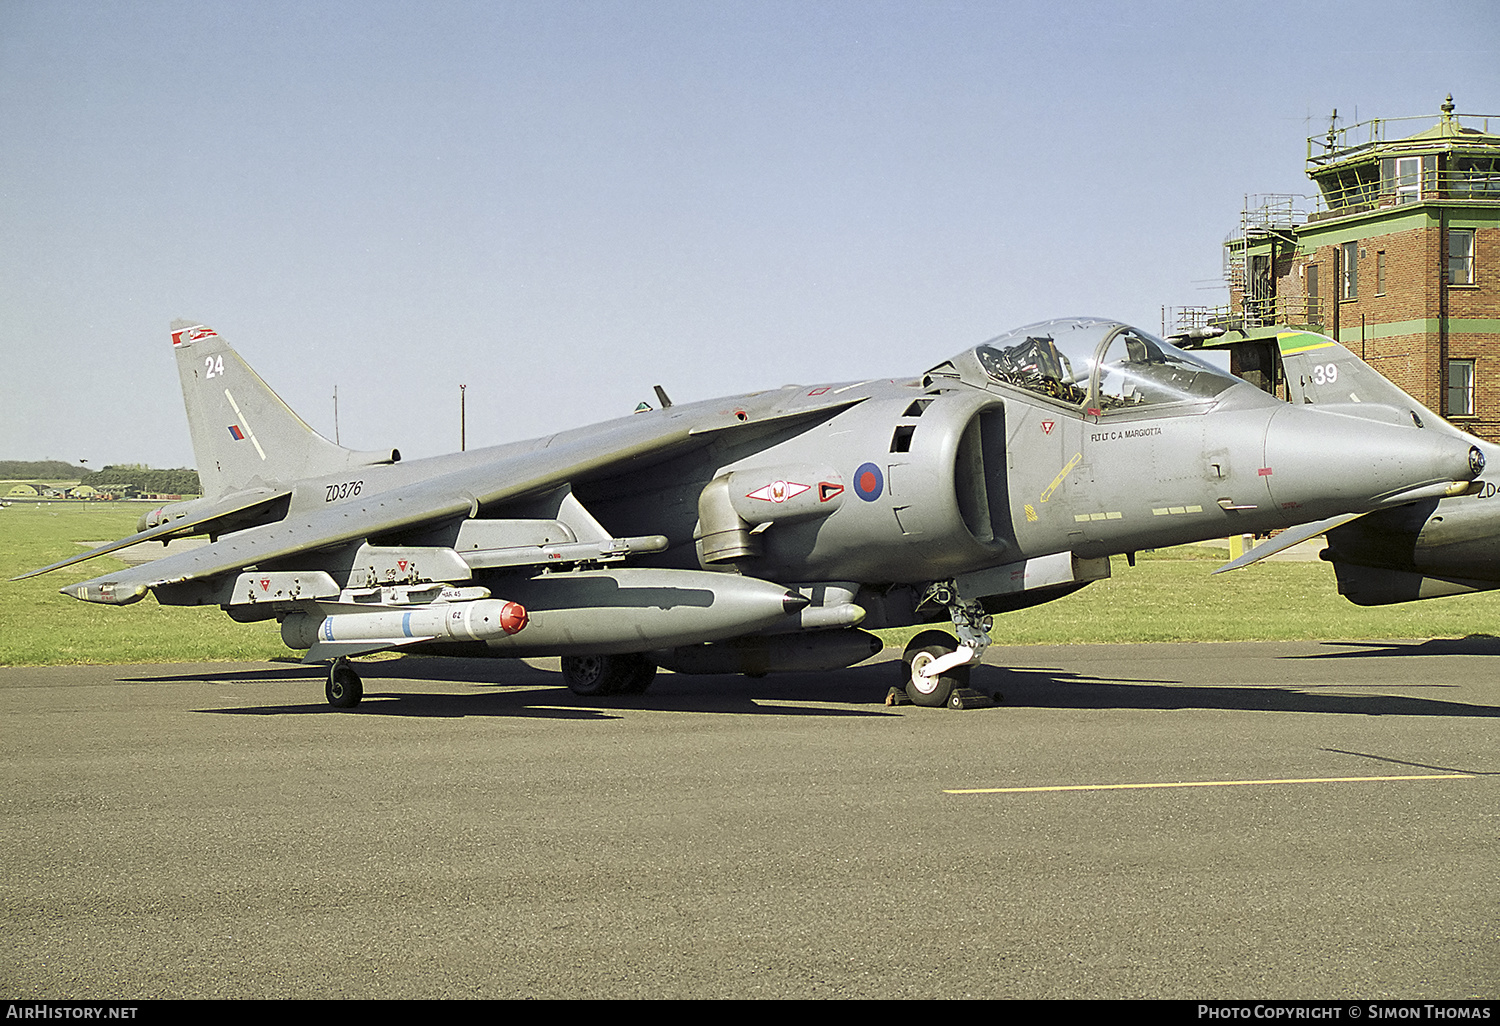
pixel 1472 184
pixel 1339 144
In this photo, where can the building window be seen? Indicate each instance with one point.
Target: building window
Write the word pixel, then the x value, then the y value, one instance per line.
pixel 1408 179
pixel 1380 272
pixel 1314 302
pixel 1460 388
pixel 1350 269
pixel 1460 256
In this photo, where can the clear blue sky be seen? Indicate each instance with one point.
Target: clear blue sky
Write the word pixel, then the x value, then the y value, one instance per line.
pixel 561 203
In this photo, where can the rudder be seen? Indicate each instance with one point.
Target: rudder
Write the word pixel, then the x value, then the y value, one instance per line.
pixel 1321 372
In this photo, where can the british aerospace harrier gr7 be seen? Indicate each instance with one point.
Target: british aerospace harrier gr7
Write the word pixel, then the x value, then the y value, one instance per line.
pixel 760 532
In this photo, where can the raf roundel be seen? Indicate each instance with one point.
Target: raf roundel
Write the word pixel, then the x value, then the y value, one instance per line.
pixel 868 482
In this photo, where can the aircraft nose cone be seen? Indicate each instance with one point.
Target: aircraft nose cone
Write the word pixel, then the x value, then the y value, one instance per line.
pixel 1329 463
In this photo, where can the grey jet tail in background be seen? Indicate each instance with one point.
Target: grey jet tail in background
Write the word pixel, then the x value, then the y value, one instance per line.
pixel 760 532
pixel 1428 548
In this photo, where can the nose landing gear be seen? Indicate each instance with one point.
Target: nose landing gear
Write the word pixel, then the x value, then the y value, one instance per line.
pixel 936 666
pixel 926 679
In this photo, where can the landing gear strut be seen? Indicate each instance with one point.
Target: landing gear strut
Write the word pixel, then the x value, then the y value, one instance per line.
pixel 344 688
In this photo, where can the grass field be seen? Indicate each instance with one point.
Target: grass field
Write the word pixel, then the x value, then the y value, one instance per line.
pixel 1167 596
pixel 39 627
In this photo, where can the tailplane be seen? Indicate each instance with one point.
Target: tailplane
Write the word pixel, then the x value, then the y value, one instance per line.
pixel 243 434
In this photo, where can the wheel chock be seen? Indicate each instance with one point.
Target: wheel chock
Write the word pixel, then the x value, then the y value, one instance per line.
pixel 968 698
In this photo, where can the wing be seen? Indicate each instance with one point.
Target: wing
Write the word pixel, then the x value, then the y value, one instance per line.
pixel 1286 539
pixel 223 515
pixel 482 478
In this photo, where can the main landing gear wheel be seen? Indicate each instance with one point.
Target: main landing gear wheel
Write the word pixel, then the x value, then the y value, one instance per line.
pixel 639 676
pixel 595 675
pixel 933 692
pixel 344 688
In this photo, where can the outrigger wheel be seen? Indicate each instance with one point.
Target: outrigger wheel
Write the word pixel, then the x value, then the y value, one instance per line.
pixel 933 692
pixel 344 688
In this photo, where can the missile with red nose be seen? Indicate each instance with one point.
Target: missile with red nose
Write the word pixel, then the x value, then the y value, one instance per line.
pixel 442 621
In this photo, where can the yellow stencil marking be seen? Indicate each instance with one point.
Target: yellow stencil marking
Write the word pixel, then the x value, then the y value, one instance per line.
pixel 1058 480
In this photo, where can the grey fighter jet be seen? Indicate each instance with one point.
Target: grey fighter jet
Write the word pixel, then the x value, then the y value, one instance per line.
pixel 1427 548
pixel 760 532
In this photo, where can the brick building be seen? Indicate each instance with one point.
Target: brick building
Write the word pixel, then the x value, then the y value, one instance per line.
pixel 1399 259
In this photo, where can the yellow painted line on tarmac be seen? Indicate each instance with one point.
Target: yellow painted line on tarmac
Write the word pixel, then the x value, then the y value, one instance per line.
pixel 1203 783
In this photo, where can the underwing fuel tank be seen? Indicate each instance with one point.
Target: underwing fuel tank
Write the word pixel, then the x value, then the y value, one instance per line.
pixel 635 609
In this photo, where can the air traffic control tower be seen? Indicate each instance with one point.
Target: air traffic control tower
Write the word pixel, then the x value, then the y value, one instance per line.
pixel 1397 257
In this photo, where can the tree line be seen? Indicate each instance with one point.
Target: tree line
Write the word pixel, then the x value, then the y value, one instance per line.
pixel 133 477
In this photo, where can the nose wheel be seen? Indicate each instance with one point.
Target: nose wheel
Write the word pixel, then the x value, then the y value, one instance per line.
pixel 935 664
pixel 344 688
pixel 924 686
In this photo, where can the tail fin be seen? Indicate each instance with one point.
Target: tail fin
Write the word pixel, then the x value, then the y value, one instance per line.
pixel 1321 372
pixel 243 434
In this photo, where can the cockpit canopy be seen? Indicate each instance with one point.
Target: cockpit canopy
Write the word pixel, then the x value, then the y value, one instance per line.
pixel 1098 365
